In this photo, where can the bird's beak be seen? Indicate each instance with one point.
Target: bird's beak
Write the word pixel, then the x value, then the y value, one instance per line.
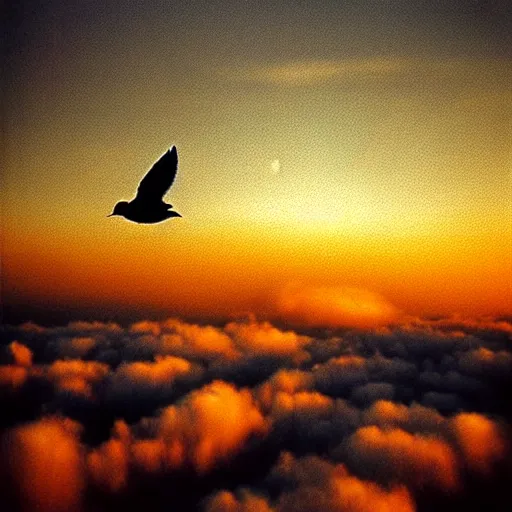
pixel 110 215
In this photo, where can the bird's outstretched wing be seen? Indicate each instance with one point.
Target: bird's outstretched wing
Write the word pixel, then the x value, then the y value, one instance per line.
pixel 159 178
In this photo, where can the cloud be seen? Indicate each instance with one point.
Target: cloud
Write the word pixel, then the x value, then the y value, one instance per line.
pixel 480 441
pixel 371 392
pixel 191 340
pixel 482 361
pixel 76 376
pixel 304 73
pixel 46 464
pixel 141 380
pixel 76 347
pixel 108 464
pixel 415 419
pixel 21 354
pixel 317 484
pixel 397 456
pixel 386 415
pixel 334 307
pixel 284 381
pixel 225 501
pixel 264 339
pixel 210 425
pixel 12 377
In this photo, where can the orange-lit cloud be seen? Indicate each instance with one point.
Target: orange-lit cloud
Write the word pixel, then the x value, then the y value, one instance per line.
pixel 321 485
pixel 76 376
pixel 480 441
pixel 265 339
pixel 142 380
pixel 12 376
pixel 108 464
pixel 415 418
pixel 149 455
pixel 22 355
pixel 284 381
pixel 45 459
pixel 211 424
pixel 225 501
pixel 334 307
pixel 160 372
pixel 194 340
pixel 396 455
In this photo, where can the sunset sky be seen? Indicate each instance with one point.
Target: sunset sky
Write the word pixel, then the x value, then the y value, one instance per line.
pixel 359 150
pixel 328 327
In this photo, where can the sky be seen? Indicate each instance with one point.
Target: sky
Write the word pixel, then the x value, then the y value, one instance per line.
pixel 349 145
pixel 328 326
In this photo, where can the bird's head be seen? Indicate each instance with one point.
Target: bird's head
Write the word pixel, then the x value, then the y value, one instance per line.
pixel 119 209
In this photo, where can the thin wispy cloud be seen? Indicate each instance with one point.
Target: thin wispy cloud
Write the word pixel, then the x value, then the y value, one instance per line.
pixel 314 72
pixel 311 72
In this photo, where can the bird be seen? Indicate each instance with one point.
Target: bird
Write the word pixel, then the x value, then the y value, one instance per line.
pixel 148 206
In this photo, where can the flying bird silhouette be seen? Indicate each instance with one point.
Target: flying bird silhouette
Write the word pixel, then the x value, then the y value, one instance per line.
pixel 148 206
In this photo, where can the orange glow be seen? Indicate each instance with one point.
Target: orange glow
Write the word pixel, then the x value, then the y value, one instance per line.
pixel 250 268
pixel 335 307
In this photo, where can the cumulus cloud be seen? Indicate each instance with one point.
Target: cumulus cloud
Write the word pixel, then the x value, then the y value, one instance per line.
pixel 108 464
pixel 334 307
pixel 309 417
pixel 21 354
pixel 316 484
pixel 76 376
pixel 197 341
pixel 398 456
pixel 265 339
pixel 46 464
pixel 210 425
pixel 76 347
pixel 415 418
pixel 483 361
pixel 141 379
pixel 12 376
pixel 225 501
pixel 371 392
pixel 479 439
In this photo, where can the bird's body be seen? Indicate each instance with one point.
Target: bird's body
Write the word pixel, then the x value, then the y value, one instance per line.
pixel 148 206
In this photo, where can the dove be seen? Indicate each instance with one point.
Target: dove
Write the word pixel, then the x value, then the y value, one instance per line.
pixel 148 206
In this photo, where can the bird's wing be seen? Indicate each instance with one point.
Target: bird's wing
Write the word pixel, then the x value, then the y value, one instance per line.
pixel 159 178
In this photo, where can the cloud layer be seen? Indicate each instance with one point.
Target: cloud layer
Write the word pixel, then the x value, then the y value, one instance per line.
pixel 250 416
